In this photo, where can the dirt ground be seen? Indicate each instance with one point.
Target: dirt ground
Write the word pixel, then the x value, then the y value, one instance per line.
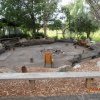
pixel 55 87
pixel 21 56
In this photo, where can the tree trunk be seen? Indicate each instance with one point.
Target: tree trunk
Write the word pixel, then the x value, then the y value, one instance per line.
pixel 63 33
pixel 45 28
pixel 70 35
pixel 33 31
pixel 88 35
pixel 3 30
pixel 33 25
pixel 15 30
pixel 57 34
pixel 8 32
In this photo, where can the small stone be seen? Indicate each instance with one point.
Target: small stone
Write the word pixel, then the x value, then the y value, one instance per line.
pixel 77 66
pixel 31 60
pixel 98 64
pixel 24 69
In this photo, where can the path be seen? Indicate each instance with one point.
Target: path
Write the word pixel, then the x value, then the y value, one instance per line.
pixel 70 97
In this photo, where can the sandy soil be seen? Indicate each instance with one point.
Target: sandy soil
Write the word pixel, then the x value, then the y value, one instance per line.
pixel 21 56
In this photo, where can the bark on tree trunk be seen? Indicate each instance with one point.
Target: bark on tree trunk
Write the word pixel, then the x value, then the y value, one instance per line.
pixel 33 31
pixel 33 25
pixel 45 28
pixel 15 30
pixel 8 32
pixel 88 35
pixel 3 30
pixel 63 33
pixel 57 34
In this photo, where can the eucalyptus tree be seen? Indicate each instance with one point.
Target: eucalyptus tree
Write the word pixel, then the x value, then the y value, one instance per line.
pixel 66 11
pixel 79 20
pixel 77 7
pixel 84 24
pixel 20 11
pixel 49 7
pixel 95 8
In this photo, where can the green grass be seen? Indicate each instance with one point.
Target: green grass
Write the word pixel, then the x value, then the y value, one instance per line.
pixel 95 36
pixel 52 34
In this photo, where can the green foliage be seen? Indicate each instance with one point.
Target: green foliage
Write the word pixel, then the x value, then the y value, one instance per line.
pixel 78 20
pixel 77 8
pixel 21 35
pixel 82 23
pixel 83 37
pixel 94 8
pixel 28 13
pixel 39 35
pixel 55 37
pixel 48 9
pixel 57 25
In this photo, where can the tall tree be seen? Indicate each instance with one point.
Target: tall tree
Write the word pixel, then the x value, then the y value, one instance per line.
pixel 78 19
pixel 28 13
pixel 95 8
pixel 48 9
pixel 83 24
pixel 57 25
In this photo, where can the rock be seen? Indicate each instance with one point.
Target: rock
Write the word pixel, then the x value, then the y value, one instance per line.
pixel 77 66
pixel 22 40
pixel 1 46
pixel 98 64
pixel 63 68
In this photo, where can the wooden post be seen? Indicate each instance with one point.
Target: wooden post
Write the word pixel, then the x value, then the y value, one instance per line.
pixel 48 58
pixel 31 60
pixel 24 69
pixel 31 82
pixel 89 82
pixel 13 48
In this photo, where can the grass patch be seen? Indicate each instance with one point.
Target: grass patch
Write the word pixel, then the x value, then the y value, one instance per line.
pixel 95 36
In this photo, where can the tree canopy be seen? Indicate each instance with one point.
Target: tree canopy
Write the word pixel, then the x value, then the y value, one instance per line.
pixel 95 8
pixel 28 13
pixel 32 15
pixel 78 20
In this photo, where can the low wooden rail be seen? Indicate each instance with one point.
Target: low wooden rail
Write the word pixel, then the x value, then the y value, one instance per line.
pixel 48 75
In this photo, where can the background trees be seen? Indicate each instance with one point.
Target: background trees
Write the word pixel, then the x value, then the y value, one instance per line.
pixel 29 14
pixel 83 24
pixel 78 19
pixel 33 15
pixel 56 25
pixel 48 9
pixel 95 8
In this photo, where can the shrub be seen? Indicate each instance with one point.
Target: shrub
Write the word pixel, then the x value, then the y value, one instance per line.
pixel 55 37
pixel 38 35
pixel 83 37
pixel 15 35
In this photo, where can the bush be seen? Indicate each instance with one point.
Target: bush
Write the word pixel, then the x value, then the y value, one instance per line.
pixel 83 37
pixel 38 35
pixel 15 35
pixel 55 37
